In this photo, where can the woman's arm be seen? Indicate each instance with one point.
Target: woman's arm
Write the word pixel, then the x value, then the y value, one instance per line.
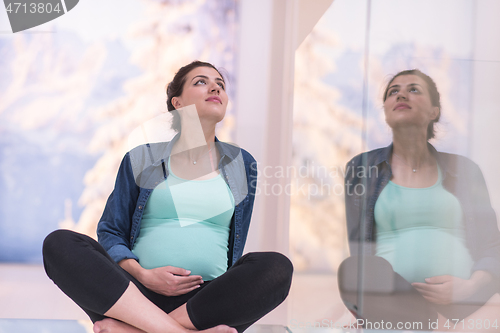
pixel 114 228
pixel 483 238
pixel 446 289
pixel 114 233
pixel 481 222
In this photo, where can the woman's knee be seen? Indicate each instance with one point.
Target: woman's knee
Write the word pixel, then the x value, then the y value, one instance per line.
pixel 52 243
pixel 277 267
pixel 57 241
pixel 282 263
pixel 58 246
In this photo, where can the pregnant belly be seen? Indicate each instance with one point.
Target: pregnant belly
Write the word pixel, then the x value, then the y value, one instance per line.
pixel 420 253
pixel 198 248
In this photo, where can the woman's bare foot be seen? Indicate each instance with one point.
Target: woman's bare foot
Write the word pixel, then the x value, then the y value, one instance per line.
pixel 110 325
pixel 220 329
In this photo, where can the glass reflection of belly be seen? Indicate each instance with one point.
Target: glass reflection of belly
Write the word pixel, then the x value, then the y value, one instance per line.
pixel 419 253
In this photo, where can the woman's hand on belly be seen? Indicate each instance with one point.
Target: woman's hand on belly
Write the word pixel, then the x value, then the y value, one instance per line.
pixel 445 289
pixel 169 280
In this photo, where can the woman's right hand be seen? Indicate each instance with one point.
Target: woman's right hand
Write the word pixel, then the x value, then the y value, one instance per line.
pixel 168 280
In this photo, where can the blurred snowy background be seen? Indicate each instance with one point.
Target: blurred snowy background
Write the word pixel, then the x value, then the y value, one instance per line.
pixel 72 92
pixel 74 89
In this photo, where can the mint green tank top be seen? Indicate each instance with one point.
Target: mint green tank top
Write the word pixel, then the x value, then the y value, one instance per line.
pixel 420 231
pixel 186 224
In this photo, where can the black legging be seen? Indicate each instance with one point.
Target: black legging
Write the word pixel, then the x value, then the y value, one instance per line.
pixel 252 287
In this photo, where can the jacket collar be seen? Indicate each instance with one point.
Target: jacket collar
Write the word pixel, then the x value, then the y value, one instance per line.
pixel 384 155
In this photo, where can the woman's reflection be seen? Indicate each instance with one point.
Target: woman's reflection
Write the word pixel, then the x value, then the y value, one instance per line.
pixel 424 212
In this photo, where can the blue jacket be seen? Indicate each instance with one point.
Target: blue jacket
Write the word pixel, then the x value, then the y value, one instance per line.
pixel 143 168
pixel 368 173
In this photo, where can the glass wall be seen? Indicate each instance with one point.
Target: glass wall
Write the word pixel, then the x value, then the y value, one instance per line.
pixel 420 229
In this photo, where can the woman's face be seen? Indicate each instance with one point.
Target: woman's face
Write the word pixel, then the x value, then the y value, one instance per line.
pixel 205 88
pixel 408 103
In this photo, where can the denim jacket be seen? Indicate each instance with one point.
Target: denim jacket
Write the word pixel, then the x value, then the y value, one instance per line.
pixel 368 173
pixel 143 168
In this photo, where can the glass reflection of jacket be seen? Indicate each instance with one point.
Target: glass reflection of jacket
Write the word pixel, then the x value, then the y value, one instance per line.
pixel 366 176
pixel 143 168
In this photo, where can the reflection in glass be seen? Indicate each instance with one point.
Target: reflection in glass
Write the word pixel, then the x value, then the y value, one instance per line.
pixel 423 236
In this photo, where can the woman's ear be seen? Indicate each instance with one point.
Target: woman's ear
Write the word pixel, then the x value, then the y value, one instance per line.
pixel 435 113
pixel 176 102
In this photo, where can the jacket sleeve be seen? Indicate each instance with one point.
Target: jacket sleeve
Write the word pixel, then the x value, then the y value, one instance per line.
pixel 250 166
pixel 351 210
pixel 252 185
pixel 481 223
pixel 114 228
pixel 354 205
pixel 237 239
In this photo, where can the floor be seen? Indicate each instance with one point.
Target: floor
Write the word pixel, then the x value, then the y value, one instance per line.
pixel 74 326
pixel 27 293
pixel 30 302
pixel 44 326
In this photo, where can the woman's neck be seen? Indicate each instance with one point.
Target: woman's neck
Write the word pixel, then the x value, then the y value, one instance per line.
pixel 411 147
pixel 192 140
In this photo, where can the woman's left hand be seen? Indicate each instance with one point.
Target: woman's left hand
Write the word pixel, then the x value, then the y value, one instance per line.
pixel 444 289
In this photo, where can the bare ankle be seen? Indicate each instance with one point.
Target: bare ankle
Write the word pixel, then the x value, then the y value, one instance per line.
pixel 181 316
pixel 110 325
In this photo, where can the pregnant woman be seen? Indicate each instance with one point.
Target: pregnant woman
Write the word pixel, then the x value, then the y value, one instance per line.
pixel 171 238
pixel 422 231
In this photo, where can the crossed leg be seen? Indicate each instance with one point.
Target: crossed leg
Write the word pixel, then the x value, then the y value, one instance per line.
pixel 82 269
pixel 134 313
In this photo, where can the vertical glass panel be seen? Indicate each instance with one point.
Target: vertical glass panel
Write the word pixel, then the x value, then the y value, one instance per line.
pixel 424 245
